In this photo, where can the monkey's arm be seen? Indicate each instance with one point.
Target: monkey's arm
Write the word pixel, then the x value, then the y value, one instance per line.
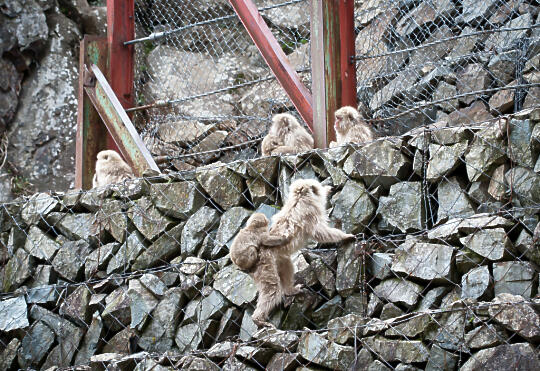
pixel 282 150
pixel 324 233
pixel 270 240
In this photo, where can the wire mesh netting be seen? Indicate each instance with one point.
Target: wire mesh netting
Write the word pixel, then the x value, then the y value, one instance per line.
pixel 210 88
pixel 444 272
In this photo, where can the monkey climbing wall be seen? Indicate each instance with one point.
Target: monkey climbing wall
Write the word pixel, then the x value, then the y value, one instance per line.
pixel 444 274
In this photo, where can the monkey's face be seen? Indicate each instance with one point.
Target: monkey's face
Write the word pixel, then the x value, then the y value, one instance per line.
pixel 345 118
pixel 257 220
pixel 108 155
pixel 309 189
pixel 283 123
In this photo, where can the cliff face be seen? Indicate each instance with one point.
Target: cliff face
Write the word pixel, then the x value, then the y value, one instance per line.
pixel 444 274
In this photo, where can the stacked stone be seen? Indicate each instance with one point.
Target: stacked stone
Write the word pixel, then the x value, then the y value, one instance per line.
pixel 450 282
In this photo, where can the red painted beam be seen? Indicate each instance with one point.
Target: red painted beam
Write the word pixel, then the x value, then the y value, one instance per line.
pixel 121 28
pixel 348 68
pixel 275 57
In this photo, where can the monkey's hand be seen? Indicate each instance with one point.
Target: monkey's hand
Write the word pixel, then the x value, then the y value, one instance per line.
pixel 350 237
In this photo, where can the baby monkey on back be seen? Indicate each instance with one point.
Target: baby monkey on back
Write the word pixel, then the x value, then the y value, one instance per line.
pixel 286 136
pixel 350 128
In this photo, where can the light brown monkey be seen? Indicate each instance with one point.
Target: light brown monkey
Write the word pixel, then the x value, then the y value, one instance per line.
pixel 350 128
pixel 249 255
pixel 110 168
pixel 302 217
pixel 286 135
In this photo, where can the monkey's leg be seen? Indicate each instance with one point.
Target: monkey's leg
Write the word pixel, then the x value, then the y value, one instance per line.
pixel 333 144
pixel 286 275
pixel 324 233
pixel 267 281
pixel 282 150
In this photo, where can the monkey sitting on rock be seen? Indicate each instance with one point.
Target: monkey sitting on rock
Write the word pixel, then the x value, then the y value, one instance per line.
pixel 350 128
pixel 302 217
pixel 286 136
pixel 110 168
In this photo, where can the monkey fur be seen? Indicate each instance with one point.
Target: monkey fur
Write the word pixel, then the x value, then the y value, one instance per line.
pixel 110 168
pixel 350 128
pixel 286 136
pixel 302 217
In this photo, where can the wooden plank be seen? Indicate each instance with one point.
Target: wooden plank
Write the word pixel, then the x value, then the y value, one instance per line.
pixel 275 57
pixel 118 123
pixel 348 66
pixel 121 28
pixel 325 68
pixel 91 132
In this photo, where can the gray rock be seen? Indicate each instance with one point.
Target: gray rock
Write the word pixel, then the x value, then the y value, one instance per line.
pixel 73 226
pixel 69 260
pixel 445 91
pixel 159 253
pixel 379 265
pixel 503 100
pixel 183 132
pixel 90 342
pixel 119 343
pixel 35 344
pixel 247 328
pixel 473 78
pixel 520 137
pixel 440 359
pixel 287 177
pixel 99 259
pixel 503 357
pixel 497 184
pixel 282 361
pixel 46 151
pixel 314 348
pixel 466 260
pixel 453 201
pixel 195 266
pixel 485 336
pixel 190 362
pixel 374 305
pixel 475 283
pixel 37 207
pixel 211 306
pixel 179 200
pixel 39 245
pixel 14 314
pixel 112 218
pixel 229 324
pixel 223 185
pixel 377 163
pixel 8 354
pixel 117 312
pixel 263 173
pixel 486 152
pixel 43 275
pixel 158 336
pixel 190 337
pixel 425 261
pixel 406 351
pixel 330 309
pixel 513 313
pixel 514 278
pixel 450 330
pixel 348 270
pixel 127 253
pixel 489 243
pixel 342 329
pixel 390 311
pixel 377 366
pixel 46 294
pixel 353 207
pixel 430 298
pixel 502 67
pixel 68 337
pixel 475 113
pixel 472 11
pixel 276 339
pixel 148 219
pixel 154 284
pixel 502 41
pixel 235 285
pixel 75 306
pixel 403 207
pixel 17 270
pixel 230 223
pixel 411 328
pixel 454 227
pixel 524 244
pixel 444 159
pixel 325 275
pixel 398 290
pixel 257 355
pixel 526 185
pixel 196 228
pixel 141 302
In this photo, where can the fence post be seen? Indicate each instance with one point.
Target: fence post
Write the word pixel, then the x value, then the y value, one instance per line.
pixel 121 28
pixel 332 70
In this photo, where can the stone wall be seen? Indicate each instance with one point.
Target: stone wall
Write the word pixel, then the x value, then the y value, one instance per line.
pixel 444 274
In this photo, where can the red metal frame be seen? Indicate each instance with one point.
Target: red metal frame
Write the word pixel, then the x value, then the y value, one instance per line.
pixel 348 66
pixel 275 58
pixel 121 28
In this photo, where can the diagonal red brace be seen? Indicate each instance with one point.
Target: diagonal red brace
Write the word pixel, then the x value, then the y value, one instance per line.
pixel 275 58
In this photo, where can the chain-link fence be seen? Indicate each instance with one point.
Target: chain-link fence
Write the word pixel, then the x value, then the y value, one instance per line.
pixel 444 274
pixel 212 95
